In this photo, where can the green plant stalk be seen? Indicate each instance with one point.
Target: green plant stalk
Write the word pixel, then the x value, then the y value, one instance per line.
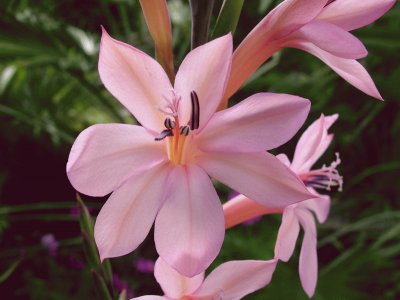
pixel 101 286
pixel 35 206
pixel 201 15
pixel 87 228
pixel 8 272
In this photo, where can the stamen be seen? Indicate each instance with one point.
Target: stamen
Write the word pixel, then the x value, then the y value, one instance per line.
pixel 169 124
pixel 184 130
pixel 326 177
pixel 165 133
pixel 195 117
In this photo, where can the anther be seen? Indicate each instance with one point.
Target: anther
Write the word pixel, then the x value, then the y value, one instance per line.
pixel 169 124
pixel 184 130
pixel 165 133
pixel 195 116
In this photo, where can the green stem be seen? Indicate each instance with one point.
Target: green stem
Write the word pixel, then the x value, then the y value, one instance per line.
pixel 43 217
pixel 32 250
pixel 36 206
pixel 201 15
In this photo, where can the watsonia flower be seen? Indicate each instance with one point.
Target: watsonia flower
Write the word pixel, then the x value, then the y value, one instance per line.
pixel 160 170
pixel 316 27
pixel 312 144
pixel 230 281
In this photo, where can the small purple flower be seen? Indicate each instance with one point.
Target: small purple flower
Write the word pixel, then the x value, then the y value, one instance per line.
pixel 50 243
pixel 121 285
pixel 144 265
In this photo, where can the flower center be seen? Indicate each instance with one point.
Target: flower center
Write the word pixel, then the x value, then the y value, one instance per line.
pixel 324 178
pixel 176 133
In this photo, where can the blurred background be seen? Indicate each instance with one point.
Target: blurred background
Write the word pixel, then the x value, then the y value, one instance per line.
pixel 50 91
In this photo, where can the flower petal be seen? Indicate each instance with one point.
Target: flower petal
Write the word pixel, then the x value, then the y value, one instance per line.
pixel 312 144
pixel 349 69
pixel 287 234
pixel 291 15
pixel 103 156
pixel 173 284
pixel 235 279
pixel 350 14
pixel 126 218
pixel 259 176
pixel 241 209
pixel 320 206
pixel 332 38
pixel 205 70
pixel 261 122
pixel 189 228
pixel 135 79
pixel 308 261
pixel 265 39
pixel 284 159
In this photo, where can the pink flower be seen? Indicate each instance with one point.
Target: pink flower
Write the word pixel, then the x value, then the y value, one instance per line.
pixel 312 144
pixel 144 265
pixel 230 281
pixel 312 26
pixel 160 171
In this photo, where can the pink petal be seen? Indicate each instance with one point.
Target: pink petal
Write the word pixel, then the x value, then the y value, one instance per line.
pixel 261 122
pixel 265 39
pixel 241 209
pixel 174 284
pixel 189 228
pixel 258 176
pixel 126 218
pixel 291 15
pixel 205 70
pixel 312 144
pixel 135 79
pixel 284 159
pixel 308 261
pixel 236 279
pixel 349 69
pixel 332 38
pixel 353 14
pixel 320 206
pixel 287 234
pixel 103 156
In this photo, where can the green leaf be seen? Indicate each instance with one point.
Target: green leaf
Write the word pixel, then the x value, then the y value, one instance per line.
pixel 228 17
pixel 7 273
